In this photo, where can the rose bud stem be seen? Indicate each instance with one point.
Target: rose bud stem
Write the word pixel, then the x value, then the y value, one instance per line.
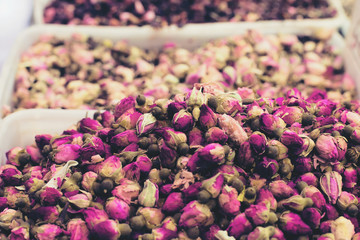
pixel 211 204
pixel 347 131
pixel 165 173
pixel 156 112
pixel 250 193
pixel 153 150
pixel 237 184
pixel 204 196
pixel 77 176
pixel 307 119
pixel 137 222
pixel 176 217
pixel 272 218
pixel 63 201
pixel 212 102
pixel 193 232
pixel 106 185
pixel 301 185
pixel 144 143
pixel 125 230
pixel 46 150
pixel 183 149
pixel 224 223
pixel 352 210
pixel 255 124
pixel 24 158
pixel 247 101
pixel 141 100
pixel 272 152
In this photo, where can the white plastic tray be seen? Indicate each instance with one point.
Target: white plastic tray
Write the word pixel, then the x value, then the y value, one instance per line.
pixel 334 22
pixel 20 128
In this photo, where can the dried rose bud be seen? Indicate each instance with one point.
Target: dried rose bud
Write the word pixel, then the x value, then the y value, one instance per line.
pixel 213 185
pixel 175 107
pixel 124 105
pixel 232 128
pixel 128 120
pixel 316 196
pixel 88 125
pixel 280 189
pixel 297 203
pixel 331 148
pixel 50 196
pixel 356 236
pixel 325 226
pixel 291 223
pixel 261 233
pixel 144 163
pixel 229 172
pixel 267 168
pixel 94 216
pixel 195 100
pixel 290 115
pixel 34 184
pixel 124 139
pixel 302 165
pixel 21 233
pixel 3 203
pixel 309 178
pixel 7 216
pixel 173 203
pixel 258 214
pixel 266 197
pixel 195 214
pixel 107 119
pixel 216 135
pixel 33 154
pixel 132 171
pixel 350 177
pixel 81 200
pixel 239 226
pixel 213 153
pixel 278 235
pixel 11 176
pixel 258 142
pixel 77 229
pixel 13 155
pixel 117 209
pixel 270 123
pixel 167 231
pixel 48 214
pixel 276 150
pixel 172 138
pixel 152 216
pixel 312 217
pixel 342 228
pixel 127 190
pixel 88 180
pixel 327 236
pixel 245 157
pixel 183 121
pixel 91 147
pixel 293 142
pixel 47 231
pixel 346 199
pixel 228 201
pixel 168 156
pixel 42 140
pixel 208 118
pixel 149 195
pixel 145 123
pixel 107 229
pixel 331 184
pixel 110 168
pixel 66 152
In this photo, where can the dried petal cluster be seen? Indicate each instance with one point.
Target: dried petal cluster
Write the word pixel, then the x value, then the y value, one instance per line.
pixel 163 13
pixel 82 73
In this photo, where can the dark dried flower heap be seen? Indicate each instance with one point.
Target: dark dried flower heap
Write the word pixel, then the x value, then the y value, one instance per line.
pixel 82 73
pixel 163 13
pixel 206 165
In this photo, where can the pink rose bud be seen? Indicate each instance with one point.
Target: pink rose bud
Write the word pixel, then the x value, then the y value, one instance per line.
pixel 60 140
pixel 144 163
pixel 315 195
pixel 230 75
pixel 13 154
pixel 34 153
pixel 88 180
pixel 81 200
pixel 356 236
pixel 277 150
pixel 195 214
pixel 117 209
pixel 280 189
pixel 91 147
pixel 261 233
pixel 331 212
pixel 216 135
pixel 278 235
pixel 297 203
pixel 124 105
pixel 303 165
pixel 270 123
pixel 195 138
pixel 77 229
pixel 245 157
pixel 213 153
pixel 267 168
pixel 107 119
pixel 132 171
pixel 331 148
pixel 127 190
pixel 309 178
pixel 124 139
pixel 168 230
pixel 213 185
pixel 107 230
pixel 183 121
pixel 350 177
pixel 331 184
pixel 48 232
pixel 290 115
pixel 229 172
pixel 149 195
pixel 11 176
pixel 258 214
pixel 129 119
pixel 342 228
pixel 293 142
pixel 8 216
pixel 145 123
pixel 34 184
pixel 3 203
pixel 172 138
pixel 110 168
pixel 48 214
pixel 232 128
pixel 167 156
pixel 208 118
pixel 312 217
pixel 66 152
pixel 175 107
pixel 346 199
pixel 42 140
pixel 325 107
pixel 94 216
pixel 228 103
pixel 88 125
pixel 265 197
pixel 173 203
pixel 239 226
pixel 258 142
pixel 325 226
pixel 291 223
pixel 19 233
pixel 228 201
pixel 50 196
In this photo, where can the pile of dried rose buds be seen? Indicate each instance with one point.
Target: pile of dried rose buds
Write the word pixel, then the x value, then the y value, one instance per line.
pixel 163 13
pixel 206 165
pixel 82 73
